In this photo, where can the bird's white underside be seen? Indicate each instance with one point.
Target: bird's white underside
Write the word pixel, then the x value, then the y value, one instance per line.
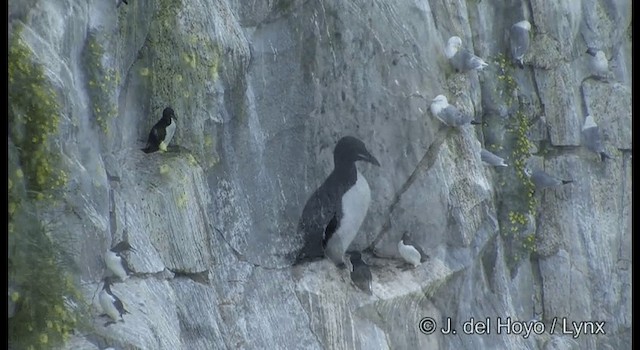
pixel 114 264
pixel 355 204
pixel 106 301
pixel 410 254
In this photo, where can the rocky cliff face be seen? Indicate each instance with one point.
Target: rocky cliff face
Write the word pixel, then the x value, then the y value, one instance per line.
pixel 262 91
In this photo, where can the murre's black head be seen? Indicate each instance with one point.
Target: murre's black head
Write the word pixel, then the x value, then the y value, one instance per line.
pixel 122 246
pixel 350 149
pixel 168 114
pixel 592 51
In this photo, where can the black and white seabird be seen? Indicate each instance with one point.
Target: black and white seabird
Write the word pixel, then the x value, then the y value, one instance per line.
pixel 162 133
pixel 449 114
pixel 116 263
pixel 333 214
pixel 462 59
pixel 111 304
pixel 591 138
pixel 541 180
pixel 360 273
pixel 411 252
pixel 491 159
pixel 519 41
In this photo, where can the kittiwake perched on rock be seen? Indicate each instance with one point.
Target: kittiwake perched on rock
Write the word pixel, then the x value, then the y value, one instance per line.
pixel 162 132
pixel 591 138
pixel 360 272
pixel 116 263
pixel 491 159
pixel 111 304
pixel 462 59
pixel 598 64
pixel 449 114
pixel 411 252
pixel 519 41
pixel 542 180
pixel 333 214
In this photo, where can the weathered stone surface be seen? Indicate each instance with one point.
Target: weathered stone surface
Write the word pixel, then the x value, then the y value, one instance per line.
pixel 262 91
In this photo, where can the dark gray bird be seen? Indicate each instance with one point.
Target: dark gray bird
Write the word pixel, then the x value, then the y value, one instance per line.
pixel 111 304
pixel 542 180
pixel 519 41
pixel 491 158
pixel 333 214
pixel 462 59
pixel 591 138
pixel 115 261
pixel 162 132
pixel 411 252
pixel 449 114
pixel 360 273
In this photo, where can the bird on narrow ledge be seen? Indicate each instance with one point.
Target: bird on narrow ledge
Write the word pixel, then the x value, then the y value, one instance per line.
pixel 462 59
pixel 162 132
pixel 449 114
pixel 410 251
pixel 519 41
pixel 333 214
pixel 111 304
pixel 360 273
pixel 116 263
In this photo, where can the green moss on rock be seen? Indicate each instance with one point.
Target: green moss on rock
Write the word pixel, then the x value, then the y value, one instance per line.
pixel 101 83
pixel 41 286
pixel 34 116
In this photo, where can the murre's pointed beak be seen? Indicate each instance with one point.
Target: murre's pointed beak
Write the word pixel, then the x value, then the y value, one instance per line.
pixel 371 159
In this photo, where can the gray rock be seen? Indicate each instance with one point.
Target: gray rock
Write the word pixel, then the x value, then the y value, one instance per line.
pixel 262 92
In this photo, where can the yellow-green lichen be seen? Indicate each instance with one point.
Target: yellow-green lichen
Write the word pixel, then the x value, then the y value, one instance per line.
pixel 102 82
pixel 519 194
pixel 45 291
pixel 36 272
pixel 181 201
pixel 506 84
pixel 164 169
pixel 34 116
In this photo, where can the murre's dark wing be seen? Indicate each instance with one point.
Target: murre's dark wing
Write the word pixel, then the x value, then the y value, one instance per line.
pixel 156 135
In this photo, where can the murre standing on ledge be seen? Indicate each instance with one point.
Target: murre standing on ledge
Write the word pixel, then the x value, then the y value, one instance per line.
pixel 360 272
pixel 333 214
pixel 161 133
pixel 111 304
pixel 411 252
pixel 116 263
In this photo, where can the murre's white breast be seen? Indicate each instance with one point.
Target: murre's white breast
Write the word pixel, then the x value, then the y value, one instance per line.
pixel 106 301
pixel 355 204
pixel 171 130
pixel 114 264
